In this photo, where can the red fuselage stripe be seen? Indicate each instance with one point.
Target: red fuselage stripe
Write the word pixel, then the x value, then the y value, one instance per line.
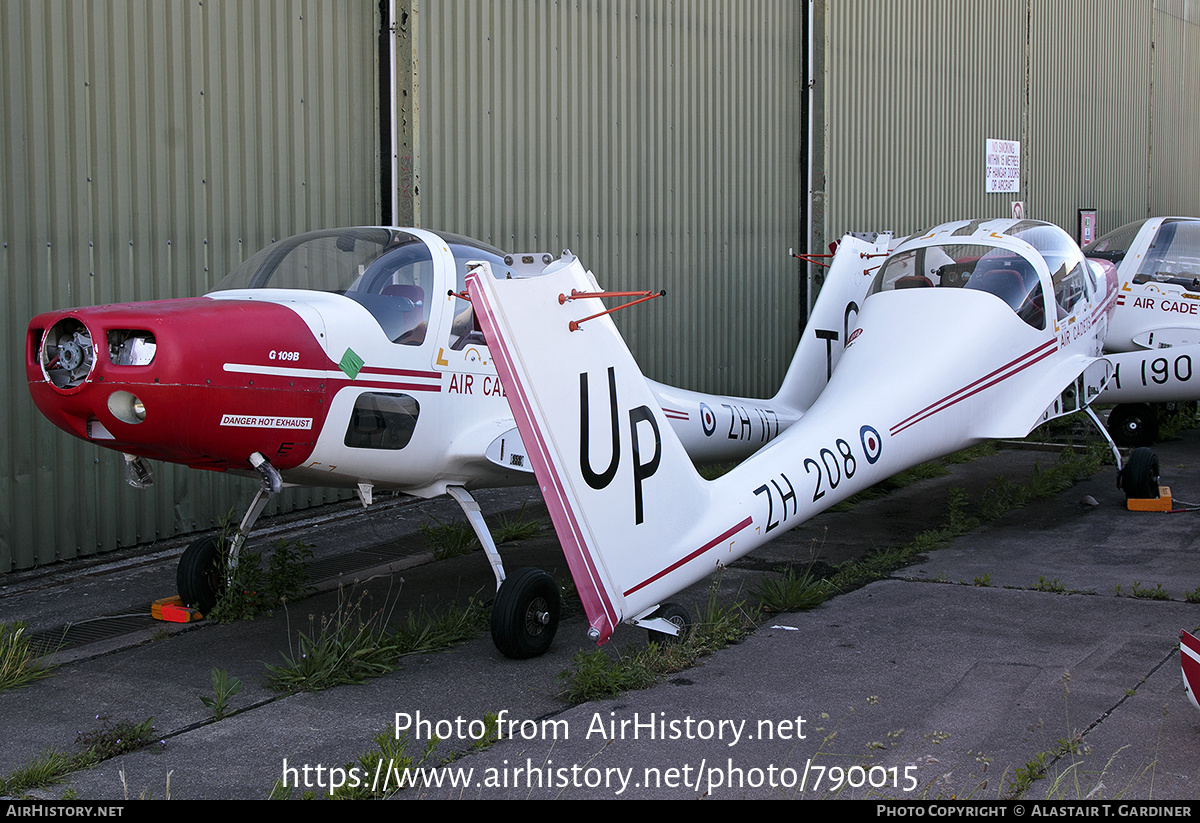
pixel 1014 366
pixel 721 538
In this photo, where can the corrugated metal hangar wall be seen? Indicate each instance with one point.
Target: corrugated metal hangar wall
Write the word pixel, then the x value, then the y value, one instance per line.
pixel 147 146
pixel 661 142
pixel 1100 94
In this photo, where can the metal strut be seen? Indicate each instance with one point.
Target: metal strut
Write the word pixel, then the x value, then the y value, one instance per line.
pixel 575 294
pixel 1116 453
pixel 475 518
pixel 271 484
pixel 810 258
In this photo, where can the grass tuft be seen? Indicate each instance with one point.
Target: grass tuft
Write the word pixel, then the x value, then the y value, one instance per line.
pixel 52 766
pixel 357 642
pixel 519 527
pixel 19 665
pixel 594 674
pixel 447 540
pixel 790 592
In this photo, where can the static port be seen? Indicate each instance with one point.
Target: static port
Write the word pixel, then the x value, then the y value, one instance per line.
pixel 126 407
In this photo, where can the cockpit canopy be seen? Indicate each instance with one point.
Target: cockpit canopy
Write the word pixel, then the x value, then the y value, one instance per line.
pixel 390 272
pixel 1173 254
pixel 980 257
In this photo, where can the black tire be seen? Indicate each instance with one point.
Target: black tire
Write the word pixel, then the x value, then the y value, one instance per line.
pixel 1178 411
pixel 198 577
pixel 525 614
pixel 679 616
pixel 1133 424
pixel 1139 476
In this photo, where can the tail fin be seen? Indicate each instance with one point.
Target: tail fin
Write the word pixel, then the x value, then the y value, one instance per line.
pixel 833 317
pixel 594 434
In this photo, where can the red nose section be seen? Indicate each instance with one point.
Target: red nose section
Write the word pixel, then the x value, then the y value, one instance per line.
pixel 196 381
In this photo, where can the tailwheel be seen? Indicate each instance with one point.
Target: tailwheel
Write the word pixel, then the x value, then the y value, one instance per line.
pixel 525 614
pixel 198 577
pixel 673 613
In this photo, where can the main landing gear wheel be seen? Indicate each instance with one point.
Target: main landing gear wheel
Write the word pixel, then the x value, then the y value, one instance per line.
pixel 525 614
pixel 198 577
pixel 1139 477
pixel 1133 424
pixel 676 614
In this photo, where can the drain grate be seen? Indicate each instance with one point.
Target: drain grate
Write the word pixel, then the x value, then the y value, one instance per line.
pixel 344 565
pixel 73 635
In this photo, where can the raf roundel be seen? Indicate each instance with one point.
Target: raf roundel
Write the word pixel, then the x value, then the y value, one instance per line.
pixel 872 443
pixel 708 420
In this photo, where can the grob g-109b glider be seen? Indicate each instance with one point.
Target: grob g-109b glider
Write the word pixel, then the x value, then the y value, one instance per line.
pixel 348 358
pixel 970 331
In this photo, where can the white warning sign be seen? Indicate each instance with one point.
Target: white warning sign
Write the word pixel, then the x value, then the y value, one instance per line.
pixel 1003 166
pixel 259 421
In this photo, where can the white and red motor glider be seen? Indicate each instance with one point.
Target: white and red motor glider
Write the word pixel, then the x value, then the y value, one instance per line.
pixel 974 330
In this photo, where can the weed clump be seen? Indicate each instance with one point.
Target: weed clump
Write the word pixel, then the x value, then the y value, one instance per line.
pixel 254 590
pixel 224 687
pixel 594 674
pixel 52 766
pixel 790 592
pixel 447 540
pixel 357 642
pixel 19 664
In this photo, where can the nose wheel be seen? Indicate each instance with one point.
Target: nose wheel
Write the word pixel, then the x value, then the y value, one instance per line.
pixel 525 614
pixel 201 576
pixel 1139 476
pixel 198 576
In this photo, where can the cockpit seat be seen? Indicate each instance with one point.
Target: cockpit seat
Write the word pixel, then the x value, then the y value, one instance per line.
pixel 1016 283
pixel 416 294
pixel 399 310
pixel 413 319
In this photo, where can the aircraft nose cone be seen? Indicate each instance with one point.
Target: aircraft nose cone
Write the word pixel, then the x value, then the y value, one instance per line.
pixel 190 381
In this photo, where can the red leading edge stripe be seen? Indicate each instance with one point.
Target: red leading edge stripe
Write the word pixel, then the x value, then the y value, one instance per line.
pixel 595 599
pixel 1189 661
